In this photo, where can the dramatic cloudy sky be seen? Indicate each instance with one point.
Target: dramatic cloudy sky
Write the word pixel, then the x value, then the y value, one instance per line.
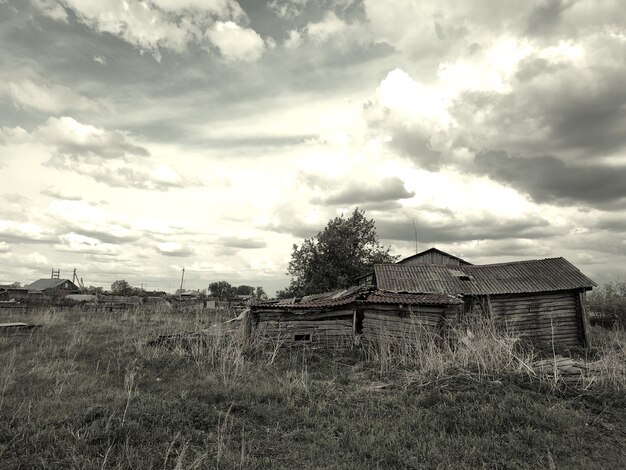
pixel 138 137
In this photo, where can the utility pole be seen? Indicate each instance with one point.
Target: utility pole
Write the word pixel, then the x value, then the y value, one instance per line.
pixel 182 280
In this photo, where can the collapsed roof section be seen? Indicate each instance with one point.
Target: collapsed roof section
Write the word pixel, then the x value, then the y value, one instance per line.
pixel 361 295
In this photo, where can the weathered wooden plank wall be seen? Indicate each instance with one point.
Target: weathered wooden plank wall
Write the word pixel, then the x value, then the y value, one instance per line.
pixel 389 322
pixel 331 329
pixel 432 258
pixel 543 317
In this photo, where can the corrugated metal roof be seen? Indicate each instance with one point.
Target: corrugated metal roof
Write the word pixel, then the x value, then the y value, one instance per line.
pixel 552 274
pixel 43 284
pixel 358 294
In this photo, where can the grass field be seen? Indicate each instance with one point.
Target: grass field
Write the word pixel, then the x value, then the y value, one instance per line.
pixel 85 391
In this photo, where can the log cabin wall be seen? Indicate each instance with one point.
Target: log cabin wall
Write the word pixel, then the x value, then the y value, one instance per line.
pixel 391 322
pixel 543 317
pixel 315 328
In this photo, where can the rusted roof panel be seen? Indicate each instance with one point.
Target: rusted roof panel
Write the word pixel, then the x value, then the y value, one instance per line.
pixel 545 275
pixel 358 294
pixel 381 297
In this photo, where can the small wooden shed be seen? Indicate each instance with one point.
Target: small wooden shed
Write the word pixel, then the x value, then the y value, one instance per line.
pixel 540 299
pixel 345 317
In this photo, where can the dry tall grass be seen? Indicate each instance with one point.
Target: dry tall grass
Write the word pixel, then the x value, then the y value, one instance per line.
pixel 475 347
pixel 89 391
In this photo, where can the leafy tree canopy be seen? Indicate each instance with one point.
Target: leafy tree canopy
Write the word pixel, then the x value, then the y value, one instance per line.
pixel 244 290
pixel 260 294
pixel 222 290
pixel 122 287
pixel 346 249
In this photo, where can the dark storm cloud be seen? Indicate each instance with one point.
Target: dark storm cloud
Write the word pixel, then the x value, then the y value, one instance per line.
pixel 592 117
pixel 388 189
pixel 545 16
pixel 413 144
pixel 555 107
pixel 532 67
pixel 457 229
pixel 612 222
pixel 548 179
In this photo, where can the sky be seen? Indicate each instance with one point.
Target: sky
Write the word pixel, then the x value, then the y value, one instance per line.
pixel 141 137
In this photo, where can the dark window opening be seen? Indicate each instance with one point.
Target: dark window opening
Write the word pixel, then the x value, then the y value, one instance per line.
pixel 302 337
pixel 358 326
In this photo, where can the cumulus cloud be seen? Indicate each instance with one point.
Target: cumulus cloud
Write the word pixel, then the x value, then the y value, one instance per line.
pixel 549 122
pixel 288 8
pixel 386 189
pixel 293 40
pixel 92 221
pixel 108 156
pixel 78 140
pixel 51 9
pixel 166 24
pixel 24 232
pixel 76 243
pixel 235 42
pixel 47 98
pixel 175 249
pixel 330 25
pixel 35 262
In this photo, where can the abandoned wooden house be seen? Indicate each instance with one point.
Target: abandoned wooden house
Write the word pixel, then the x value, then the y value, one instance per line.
pixel 539 299
pixel 343 317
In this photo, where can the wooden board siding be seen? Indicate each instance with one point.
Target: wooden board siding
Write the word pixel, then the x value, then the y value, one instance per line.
pixel 329 329
pixel 389 322
pixel 543 317
pixel 432 258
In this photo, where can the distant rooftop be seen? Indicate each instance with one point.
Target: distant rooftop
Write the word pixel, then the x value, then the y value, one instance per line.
pixel 43 284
